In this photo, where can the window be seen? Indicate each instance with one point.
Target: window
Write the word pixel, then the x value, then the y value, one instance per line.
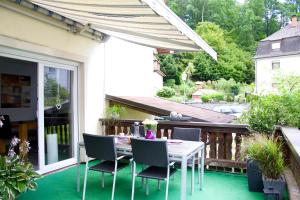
pixel 275 65
pixel 275 45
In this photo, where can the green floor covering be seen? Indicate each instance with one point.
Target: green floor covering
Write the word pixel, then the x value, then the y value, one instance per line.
pixel 217 186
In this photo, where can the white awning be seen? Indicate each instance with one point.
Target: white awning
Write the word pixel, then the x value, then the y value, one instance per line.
pixel 146 22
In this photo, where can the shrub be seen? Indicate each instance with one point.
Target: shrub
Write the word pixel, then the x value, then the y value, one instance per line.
pixel 188 88
pixel 205 98
pixel 170 83
pixel 267 111
pixel 228 86
pixel 212 97
pixel 166 92
pixel 268 154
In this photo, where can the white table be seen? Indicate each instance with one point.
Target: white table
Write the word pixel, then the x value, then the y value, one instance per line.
pixel 181 152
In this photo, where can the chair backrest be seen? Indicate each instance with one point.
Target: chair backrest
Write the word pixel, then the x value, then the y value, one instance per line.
pixel 189 134
pixel 5 130
pixel 141 130
pixel 150 152
pixel 100 147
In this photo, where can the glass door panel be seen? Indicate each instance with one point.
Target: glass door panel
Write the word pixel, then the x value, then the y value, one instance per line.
pixel 58 114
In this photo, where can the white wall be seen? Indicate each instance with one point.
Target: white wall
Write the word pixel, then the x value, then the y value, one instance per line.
pixel 129 69
pixel 157 82
pixel 25 33
pixel 265 76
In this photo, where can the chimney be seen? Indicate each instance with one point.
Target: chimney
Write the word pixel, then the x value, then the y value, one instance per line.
pixel 294 21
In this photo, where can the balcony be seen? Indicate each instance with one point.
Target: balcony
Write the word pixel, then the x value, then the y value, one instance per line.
pixel 224 178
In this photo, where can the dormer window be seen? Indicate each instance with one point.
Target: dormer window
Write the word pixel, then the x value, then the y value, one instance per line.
pixel 275 45
pixel 275 65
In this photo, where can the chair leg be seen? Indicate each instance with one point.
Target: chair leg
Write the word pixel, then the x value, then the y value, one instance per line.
pixel 167 183
pixel 102 180
pixel 193 174
pixel 199 171
pixel 133 181
pixel 143 177
pixel 114 181
pixel 85 177
pixel 147 187
pixel 158 184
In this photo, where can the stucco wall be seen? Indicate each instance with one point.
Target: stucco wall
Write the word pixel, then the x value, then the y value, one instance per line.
pixel 129 69
pixel 265 76
pixel 62 44
pixel 114 67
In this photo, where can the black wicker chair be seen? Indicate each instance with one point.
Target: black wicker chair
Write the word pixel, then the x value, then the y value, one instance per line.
pixel 102 148
pixel 154 154
pixel 189 134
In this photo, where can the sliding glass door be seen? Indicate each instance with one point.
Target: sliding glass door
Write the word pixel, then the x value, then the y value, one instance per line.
pixel 59 116
pixel 39 95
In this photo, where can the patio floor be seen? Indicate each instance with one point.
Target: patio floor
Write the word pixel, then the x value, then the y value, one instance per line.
pixel 217 186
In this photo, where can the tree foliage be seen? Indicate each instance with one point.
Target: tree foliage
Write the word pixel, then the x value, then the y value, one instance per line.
pixel 235 38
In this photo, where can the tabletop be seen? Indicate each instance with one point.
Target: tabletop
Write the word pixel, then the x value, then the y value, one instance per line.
pixel 176 148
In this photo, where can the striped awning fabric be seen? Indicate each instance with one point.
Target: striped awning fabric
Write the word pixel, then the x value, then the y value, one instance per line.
pixel 146 22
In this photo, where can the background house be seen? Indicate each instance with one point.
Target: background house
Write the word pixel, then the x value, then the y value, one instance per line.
pixel 277 54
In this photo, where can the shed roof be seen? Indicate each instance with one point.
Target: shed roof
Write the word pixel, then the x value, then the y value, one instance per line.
pixel 161 107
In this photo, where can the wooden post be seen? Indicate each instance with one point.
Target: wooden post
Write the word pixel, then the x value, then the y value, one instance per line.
pixel 228 146
pixel 212 146
pixel 238 141
pixel 221 146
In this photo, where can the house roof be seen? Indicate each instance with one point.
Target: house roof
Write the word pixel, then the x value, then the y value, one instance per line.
pixel 285 32
pixel 161 107
pixel 147 22
pixel 289 39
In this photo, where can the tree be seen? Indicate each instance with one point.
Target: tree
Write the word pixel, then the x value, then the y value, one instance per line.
pixel 233 62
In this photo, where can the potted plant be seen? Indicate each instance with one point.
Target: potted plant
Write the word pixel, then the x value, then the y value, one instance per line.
pixel 16 173
pixel 267 153
pixel 151 128
pixel 254 173
pixel 114 112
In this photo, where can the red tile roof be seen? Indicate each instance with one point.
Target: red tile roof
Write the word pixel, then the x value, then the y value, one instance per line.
pixel 160 107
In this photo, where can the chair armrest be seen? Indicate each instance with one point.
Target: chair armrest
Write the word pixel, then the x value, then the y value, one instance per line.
pixel 120 157
pixel 171 164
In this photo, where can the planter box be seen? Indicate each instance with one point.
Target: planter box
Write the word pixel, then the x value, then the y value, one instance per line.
pixel 255 183
pixel 276 184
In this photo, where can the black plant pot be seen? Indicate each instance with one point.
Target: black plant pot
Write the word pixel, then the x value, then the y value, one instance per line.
pixel 255 183
pixel 275 184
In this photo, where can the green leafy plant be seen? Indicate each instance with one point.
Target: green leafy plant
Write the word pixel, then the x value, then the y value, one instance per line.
pixel 213 97
pixel 205 98
pixel 114 111
pixel 170 82
pixel 16 173
pixel 267 152
pixel 281 108
pixel 166 92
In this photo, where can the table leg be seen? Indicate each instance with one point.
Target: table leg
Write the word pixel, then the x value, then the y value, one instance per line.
pixel 202 169
pixel 78 168
pixel 183 178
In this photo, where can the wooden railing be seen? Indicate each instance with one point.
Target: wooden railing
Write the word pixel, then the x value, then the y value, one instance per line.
pixel 223 141
pixel 291 149
pixel 60 126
